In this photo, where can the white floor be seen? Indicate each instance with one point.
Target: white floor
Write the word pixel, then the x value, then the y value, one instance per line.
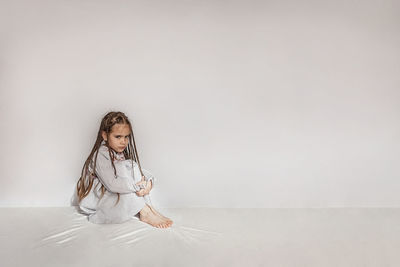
pixel 204 237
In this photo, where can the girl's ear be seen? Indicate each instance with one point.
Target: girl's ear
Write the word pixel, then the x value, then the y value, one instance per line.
pixel 103 133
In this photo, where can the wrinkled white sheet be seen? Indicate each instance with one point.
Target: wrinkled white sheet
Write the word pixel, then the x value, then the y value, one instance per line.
pixel 203 237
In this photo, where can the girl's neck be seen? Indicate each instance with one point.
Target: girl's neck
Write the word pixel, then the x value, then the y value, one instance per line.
pixel 112 150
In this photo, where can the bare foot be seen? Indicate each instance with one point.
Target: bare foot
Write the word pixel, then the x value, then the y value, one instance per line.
pixel 148 216
pixel 169 221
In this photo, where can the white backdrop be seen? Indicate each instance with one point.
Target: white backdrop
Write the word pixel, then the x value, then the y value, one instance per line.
pixel 233 103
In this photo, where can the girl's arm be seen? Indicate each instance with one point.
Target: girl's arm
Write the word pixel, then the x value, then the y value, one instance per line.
pixel 123 183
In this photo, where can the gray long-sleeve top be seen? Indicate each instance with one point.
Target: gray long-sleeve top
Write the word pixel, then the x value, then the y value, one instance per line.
pixel 104 210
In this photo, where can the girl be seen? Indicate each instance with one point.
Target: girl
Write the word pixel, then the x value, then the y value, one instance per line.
pixel 113 187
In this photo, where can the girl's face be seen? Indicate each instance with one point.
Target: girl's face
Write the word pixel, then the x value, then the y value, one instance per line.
pixel 119 137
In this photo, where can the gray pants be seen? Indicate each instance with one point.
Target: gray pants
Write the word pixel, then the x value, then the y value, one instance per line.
pixel 107 210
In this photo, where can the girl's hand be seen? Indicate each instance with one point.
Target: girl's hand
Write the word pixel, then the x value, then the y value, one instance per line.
pixel 142 182
pixel 148 187
pixel 144 191
pixel 140 193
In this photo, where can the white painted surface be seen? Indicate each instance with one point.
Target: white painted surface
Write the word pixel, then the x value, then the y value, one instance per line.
pixel 234 103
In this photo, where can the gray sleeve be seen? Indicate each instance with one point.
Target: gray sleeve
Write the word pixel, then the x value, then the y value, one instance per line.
pixel 123 182
pixel 148 176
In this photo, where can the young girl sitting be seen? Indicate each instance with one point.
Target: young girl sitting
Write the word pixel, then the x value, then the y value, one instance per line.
pixel 113 188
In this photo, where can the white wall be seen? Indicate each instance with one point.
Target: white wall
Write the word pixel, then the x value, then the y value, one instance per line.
pixel 234 103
